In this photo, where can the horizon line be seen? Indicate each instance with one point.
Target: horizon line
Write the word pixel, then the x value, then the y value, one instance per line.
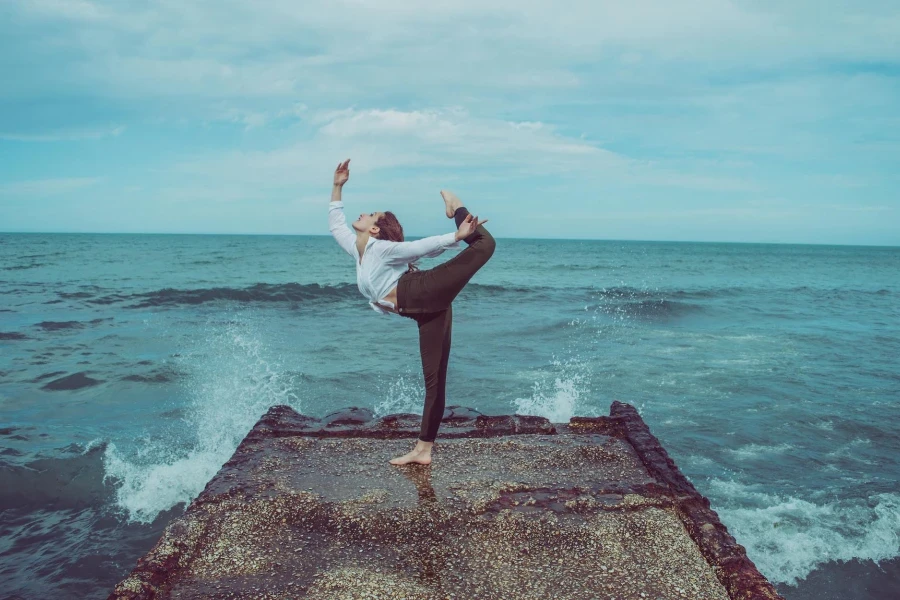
pixel 779 243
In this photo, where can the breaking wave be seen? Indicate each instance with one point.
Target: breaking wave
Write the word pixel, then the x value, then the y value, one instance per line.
pixel 787 537
pixel 232 378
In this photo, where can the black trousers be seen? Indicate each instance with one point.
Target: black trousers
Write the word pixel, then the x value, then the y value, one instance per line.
pixel 426 296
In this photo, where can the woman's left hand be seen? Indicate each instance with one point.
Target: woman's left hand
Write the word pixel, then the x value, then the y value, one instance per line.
pixel 468 226
pixel 342 173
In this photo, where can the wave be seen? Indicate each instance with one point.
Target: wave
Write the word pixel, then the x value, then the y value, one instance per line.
pixel 788 537
pixel 55 325
pixel 231 379
pixel 159 376
pixel 562 389
pixel 23 267
pixel 586 268
pixel 620 300
pixel 758 451
pixel 72 481
pixel 633 293
pixel 295 292
pixel 75 381
pixel 74 295
pixel 12 335
pixel 44 376
pixel 497 290
pixel 260 292
pixel 647 309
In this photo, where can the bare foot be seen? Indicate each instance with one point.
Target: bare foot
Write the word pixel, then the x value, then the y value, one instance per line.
pixel 421 454
pixel 451 201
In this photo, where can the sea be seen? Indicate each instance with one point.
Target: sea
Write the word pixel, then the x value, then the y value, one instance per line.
pixel 131 367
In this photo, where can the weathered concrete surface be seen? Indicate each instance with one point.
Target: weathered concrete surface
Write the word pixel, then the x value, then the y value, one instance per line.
pixel 512 507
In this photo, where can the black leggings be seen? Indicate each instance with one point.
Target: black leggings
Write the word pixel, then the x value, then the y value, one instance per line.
pixel 426 296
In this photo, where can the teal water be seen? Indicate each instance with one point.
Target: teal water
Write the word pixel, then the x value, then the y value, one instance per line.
pixel 133 365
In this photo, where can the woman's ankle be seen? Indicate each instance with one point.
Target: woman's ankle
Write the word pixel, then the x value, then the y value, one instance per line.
pixel 460 214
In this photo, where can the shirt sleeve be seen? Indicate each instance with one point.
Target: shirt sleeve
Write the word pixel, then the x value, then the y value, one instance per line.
pixel 405 252
pixel 338 225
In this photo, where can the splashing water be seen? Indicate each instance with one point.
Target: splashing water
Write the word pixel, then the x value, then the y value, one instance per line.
pixel 233 379
pixel 403 395
pixel 564 389
pixel 788 537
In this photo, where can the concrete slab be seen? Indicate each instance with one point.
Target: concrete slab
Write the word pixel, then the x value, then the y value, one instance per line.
pixel 512 507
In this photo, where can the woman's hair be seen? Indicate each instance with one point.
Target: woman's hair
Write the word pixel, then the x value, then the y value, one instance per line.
pixel 392 231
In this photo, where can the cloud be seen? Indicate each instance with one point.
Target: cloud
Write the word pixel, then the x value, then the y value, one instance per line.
pixel 456 131
pixel 252 119
pixel 643 102
pixel 337 47
pixel 379 139
pixel 436 141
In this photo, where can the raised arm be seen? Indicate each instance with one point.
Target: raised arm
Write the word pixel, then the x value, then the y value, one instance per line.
pixel 401 252
pixel 336 221
pixel 405 252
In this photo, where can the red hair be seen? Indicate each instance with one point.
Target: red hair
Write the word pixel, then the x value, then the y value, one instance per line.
pixel 391 230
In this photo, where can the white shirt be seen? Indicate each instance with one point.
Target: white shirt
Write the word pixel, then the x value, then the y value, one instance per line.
pixel 383 261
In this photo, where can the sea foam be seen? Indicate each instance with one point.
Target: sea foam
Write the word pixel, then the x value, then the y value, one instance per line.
pixel 233 378
pixel 788 537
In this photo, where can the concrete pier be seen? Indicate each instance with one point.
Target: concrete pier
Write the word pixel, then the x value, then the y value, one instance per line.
pixel 511 507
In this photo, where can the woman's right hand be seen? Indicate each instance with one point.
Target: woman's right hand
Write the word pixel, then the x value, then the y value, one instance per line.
pixel 342 173
pixel 468 226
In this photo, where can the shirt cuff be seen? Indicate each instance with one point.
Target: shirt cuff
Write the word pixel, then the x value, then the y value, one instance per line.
pixel 336 204
pixel 450 240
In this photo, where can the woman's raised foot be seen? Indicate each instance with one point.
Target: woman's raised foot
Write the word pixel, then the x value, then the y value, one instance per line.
pixel 451 202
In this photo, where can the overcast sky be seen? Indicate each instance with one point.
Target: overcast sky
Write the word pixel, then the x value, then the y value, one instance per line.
pixel 708 120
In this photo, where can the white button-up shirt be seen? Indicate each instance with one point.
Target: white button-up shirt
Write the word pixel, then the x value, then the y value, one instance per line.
pixel 383 262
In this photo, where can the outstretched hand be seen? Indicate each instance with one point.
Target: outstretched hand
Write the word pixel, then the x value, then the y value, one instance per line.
pixel 342 173
pixel 468 226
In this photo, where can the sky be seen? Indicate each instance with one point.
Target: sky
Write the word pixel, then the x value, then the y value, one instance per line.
pixel 698 120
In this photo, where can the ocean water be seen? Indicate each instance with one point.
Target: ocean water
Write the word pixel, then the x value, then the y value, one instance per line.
pixel 132 366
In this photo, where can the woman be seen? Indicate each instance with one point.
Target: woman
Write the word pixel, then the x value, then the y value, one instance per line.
pixel 387 276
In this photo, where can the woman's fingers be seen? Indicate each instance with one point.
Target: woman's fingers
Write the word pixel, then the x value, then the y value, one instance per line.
pixel 471 222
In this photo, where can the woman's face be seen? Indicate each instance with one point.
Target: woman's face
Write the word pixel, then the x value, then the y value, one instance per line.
pixel 366 222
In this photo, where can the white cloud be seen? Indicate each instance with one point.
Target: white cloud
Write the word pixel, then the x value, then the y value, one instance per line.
pixel 455 131
pixel 329 48
pixel 379 139
pixel 252 119
pixel 257 101
pixel 429 144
